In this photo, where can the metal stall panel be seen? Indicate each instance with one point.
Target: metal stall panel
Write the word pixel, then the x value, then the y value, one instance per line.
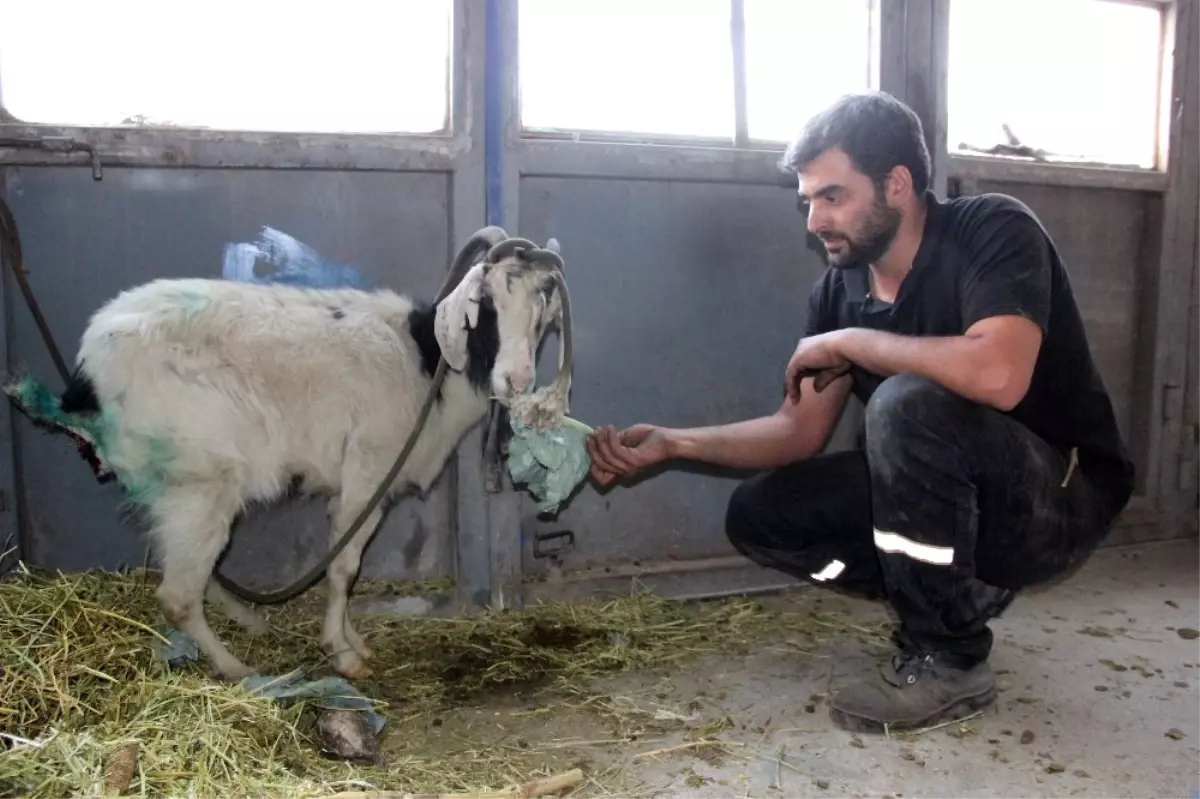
pixel 393 207
pixel 86 241
pixel 689 276
pixel 688 299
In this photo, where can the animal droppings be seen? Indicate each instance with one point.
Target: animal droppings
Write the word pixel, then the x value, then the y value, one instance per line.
pixel 1188 634
pixel 1027 737
pixel 1096 632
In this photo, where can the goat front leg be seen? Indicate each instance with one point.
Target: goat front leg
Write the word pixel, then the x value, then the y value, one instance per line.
pixel 191 528
pixel 338 636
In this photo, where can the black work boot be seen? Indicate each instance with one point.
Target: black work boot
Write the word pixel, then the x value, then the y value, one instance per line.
pixel 911 691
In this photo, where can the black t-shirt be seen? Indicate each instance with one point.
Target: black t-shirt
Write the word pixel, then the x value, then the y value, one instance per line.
pixel 979 257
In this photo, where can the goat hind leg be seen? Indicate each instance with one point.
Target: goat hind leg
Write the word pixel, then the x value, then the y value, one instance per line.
pixel 241 613
pixel 191 528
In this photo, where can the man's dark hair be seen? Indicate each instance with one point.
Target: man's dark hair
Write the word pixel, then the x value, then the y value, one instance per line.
pixel 877 132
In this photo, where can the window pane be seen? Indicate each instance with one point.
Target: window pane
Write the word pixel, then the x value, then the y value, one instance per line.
pixel 1077 78
pixel 801 55
pixel 632 66
pixel 266 65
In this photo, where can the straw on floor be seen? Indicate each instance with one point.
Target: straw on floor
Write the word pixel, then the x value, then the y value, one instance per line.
pixel 86 708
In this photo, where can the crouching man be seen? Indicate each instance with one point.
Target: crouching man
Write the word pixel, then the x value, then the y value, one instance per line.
pixel 992 459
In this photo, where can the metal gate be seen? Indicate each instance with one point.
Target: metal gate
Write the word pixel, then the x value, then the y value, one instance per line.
pixel 660 239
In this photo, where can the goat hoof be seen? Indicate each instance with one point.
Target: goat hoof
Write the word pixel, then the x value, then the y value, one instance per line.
pixel 259 630
pixel 233 673
pixel 354 669
pixel 358 645
pixel 256 625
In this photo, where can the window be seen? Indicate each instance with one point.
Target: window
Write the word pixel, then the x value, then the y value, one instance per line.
pixel 627 66
pixel 801 55
pixel 268 65
pixel 665 67
pixel 1075 80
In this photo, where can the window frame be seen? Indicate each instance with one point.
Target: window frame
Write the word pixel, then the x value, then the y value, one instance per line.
pixel 220 148
pixel 739 139
pixel 473 86
pixel 973 167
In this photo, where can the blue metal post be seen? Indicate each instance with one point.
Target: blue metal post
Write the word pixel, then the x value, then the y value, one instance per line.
pixel 493 122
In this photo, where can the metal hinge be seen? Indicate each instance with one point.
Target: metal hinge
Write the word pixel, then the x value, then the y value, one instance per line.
pixel 1169 389
pixel 1187 474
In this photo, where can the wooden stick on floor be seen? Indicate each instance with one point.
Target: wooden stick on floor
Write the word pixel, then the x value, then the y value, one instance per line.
pixel 528 790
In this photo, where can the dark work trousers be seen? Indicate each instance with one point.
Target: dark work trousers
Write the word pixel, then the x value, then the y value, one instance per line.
pixel 950 508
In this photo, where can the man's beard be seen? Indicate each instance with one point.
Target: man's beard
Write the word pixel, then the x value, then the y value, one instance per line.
pixel 877 235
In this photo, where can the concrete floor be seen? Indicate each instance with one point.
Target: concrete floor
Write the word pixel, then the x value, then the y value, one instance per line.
pixel 1099 697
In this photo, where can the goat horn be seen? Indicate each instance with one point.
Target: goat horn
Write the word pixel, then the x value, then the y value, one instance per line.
pixel 546 255
pixel 467 257
pixel 567 361
pixel 507 247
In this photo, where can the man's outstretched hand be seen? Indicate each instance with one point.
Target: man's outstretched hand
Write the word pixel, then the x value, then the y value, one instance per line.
pixel 624 453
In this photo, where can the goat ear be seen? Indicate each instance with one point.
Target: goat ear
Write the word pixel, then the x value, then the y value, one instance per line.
pixel 456 316
pixel 553 246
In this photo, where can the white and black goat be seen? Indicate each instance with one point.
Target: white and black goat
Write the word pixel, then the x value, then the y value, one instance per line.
pixel 205 395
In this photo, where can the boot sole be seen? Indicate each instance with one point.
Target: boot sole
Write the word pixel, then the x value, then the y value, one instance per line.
pixel 960 709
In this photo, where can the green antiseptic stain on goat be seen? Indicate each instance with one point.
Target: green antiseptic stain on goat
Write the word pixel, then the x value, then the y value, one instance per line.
pixel 142 484
pixel 193 301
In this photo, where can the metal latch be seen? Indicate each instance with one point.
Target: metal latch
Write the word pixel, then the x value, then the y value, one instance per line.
pixel 540 541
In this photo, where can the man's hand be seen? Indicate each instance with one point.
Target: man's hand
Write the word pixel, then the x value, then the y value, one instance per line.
pixel 817 357
pixel 623 454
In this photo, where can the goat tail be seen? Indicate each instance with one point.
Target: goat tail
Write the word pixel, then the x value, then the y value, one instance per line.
pixel 76 412
pixel 35 399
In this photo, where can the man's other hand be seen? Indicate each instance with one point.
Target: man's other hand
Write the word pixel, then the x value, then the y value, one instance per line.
pixel 817 357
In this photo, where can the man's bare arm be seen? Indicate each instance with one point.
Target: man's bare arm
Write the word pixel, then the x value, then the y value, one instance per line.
pixel 992 363
pixel 797 431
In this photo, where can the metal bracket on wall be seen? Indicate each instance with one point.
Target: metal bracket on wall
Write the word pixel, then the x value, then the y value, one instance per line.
pixel 57 144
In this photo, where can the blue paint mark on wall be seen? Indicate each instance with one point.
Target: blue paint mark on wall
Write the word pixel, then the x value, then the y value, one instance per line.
pixel 276 257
